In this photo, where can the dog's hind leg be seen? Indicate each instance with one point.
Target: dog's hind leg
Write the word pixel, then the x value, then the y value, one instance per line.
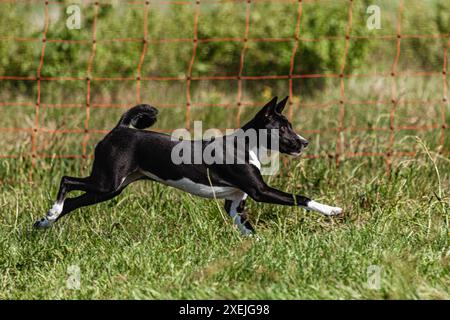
pixel 90 198
pixel 95 193
pixel 86 199
pixel 67 184
pixel 235 208
pixel 70 204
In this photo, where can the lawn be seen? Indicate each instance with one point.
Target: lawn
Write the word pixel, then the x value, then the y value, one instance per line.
pixel 154 242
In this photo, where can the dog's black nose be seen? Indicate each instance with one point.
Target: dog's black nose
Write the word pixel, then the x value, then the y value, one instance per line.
pixel 305 143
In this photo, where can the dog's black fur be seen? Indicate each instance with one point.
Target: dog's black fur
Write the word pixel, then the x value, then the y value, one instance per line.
pixel 128 153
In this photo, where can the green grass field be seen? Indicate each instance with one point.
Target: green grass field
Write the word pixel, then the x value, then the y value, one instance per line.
pixel 153 242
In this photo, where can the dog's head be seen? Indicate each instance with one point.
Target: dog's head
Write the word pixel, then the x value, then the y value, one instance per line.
pixel 270 117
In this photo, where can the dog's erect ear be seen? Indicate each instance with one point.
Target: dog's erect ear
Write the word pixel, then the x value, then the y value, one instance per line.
pixel 280 106
pixel 269 108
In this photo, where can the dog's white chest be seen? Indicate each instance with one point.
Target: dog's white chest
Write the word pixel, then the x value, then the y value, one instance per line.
pixel 253 158
pixel 198 189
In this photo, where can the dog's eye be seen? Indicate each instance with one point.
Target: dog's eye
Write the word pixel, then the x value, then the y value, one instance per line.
pixel 283 129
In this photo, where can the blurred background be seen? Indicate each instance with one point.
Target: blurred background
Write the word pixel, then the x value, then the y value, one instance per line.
pixel 354 90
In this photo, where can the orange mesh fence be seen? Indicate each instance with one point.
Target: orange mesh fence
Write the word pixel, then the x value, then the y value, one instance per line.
pixel 342 101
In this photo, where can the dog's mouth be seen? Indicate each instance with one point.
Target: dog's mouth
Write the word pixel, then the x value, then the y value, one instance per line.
pixel 296 153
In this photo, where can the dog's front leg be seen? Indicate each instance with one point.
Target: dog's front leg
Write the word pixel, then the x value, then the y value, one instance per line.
pixel 251 182
pixel 270 195
pixel 235 208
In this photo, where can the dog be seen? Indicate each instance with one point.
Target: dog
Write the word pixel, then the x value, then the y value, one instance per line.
pixel 129 153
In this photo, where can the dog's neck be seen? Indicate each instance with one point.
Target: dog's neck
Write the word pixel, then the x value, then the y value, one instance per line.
pixel 253 148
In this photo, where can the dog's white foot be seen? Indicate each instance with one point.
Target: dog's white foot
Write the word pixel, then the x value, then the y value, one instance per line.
pixel 323 208
pixel 50 218
pixel 334 211
pixel 55 211
pixel 42 224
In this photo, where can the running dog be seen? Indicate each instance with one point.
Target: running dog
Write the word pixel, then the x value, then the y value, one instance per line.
pixel 129 153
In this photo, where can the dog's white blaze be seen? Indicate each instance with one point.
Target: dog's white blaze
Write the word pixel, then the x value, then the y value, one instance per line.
pixel 300 137
pixel 323 208
pixel 198 189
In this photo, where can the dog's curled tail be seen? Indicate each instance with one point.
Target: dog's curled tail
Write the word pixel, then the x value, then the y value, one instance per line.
pixel 139 117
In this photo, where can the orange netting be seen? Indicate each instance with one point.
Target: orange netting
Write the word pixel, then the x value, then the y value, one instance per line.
pixel 297 38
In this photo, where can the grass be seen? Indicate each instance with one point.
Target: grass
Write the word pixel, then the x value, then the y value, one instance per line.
pixel 155 242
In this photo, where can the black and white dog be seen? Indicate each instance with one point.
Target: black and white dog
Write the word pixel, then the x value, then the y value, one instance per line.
pixel 129 153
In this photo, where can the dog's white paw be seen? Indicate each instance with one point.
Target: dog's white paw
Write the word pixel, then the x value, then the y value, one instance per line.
pixel 55 211
pixel 51 217
pixel 42 223
pixel 330 211
pixel 324 209
pixel 335 211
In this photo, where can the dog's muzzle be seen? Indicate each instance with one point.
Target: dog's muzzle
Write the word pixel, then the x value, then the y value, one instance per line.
pixel 303 143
